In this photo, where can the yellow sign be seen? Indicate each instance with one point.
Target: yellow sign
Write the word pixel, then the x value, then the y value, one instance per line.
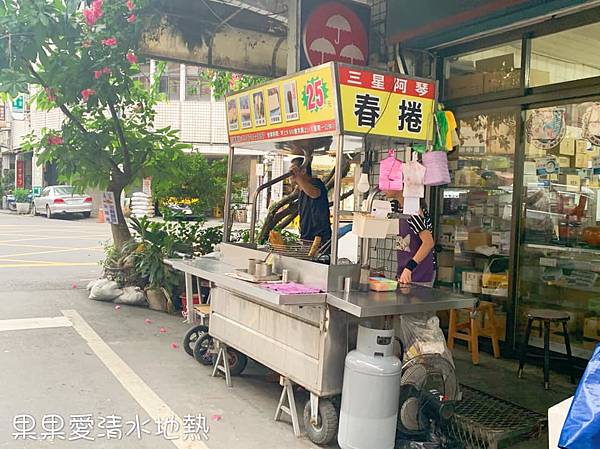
pixel 386 104
pixel 300 106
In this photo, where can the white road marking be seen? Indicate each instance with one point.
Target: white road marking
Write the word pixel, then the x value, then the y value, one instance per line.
pixel 33 323
pixel 137 388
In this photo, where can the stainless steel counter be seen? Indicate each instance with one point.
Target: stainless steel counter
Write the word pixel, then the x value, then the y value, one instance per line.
pixel 217 271
pixel 409 299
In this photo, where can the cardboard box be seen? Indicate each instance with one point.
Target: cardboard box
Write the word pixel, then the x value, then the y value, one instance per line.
pixel 573 182
pixel 567 146
pixel 500 81
pixel 581 147
pixel 445 274
pixel 538 77
pixel 464 86
pixel 445 258
pixel 591 328
pixel 497 63
pixel 476 239
pixel 581 161
pixel 564 161
pixel 471 281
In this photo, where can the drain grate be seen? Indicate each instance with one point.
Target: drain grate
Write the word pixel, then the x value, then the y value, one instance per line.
pixel 482 421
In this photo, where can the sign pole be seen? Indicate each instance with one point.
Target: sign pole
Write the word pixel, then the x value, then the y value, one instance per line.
pixel 337 188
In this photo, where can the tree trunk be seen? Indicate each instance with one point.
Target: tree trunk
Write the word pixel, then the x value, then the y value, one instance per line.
pixel 120 231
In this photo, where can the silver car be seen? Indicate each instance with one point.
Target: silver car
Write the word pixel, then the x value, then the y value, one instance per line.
pixel 62 200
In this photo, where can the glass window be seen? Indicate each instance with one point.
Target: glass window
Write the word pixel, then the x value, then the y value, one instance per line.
pixel 196 88
pixel 475 220
pixel 560 249
pixel 170 81
pixel 484 71
pixel 566 56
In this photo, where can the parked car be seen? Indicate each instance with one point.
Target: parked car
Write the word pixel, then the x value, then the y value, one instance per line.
pixel 62 200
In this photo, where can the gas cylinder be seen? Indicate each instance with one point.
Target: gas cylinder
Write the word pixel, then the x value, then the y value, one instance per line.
pixel 370 392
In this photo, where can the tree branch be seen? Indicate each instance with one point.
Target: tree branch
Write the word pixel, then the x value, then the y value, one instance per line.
pixel 122 140
pixel 62 107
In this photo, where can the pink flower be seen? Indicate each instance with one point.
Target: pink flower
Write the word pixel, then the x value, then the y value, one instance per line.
pixel 87 93
pixel 110 42
pixel 132 18
pixel 90 17
pixel 132 58
pixel 57 140
pixel 130 5
pixel 98 73
pixel 94 13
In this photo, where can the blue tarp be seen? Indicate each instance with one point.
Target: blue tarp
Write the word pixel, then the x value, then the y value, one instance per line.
pixel 582 426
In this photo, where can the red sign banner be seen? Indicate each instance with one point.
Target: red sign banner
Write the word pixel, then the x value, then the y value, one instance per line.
pixel 20 181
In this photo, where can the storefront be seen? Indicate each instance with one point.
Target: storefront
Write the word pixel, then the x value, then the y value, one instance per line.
pixel 518 225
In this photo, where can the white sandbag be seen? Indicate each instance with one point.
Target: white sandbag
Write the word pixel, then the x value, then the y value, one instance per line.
pixel 105 290
pixel 132 296
pixel 139 195
pixel 91 284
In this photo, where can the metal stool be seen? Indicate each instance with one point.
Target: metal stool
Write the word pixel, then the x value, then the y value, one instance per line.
pixel 546 316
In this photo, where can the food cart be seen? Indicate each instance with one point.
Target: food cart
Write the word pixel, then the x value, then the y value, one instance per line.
pixel 305 337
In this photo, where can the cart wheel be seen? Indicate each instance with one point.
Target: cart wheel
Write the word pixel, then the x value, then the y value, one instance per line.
pixel 326 428
pixel 237 361
pixel 202 349
pixel 192 336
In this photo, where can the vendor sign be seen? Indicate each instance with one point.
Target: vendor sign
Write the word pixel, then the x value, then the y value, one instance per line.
pixel 289 108
pixel 386 105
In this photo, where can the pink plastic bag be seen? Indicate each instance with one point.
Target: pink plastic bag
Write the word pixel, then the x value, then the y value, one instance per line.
pixel 390 173
pixel 437 173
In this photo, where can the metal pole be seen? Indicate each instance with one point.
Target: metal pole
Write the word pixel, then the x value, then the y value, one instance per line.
pixel 227 207
pixel 337 188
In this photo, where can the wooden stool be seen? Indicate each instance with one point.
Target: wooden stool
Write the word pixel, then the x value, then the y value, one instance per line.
pixel 547 316
pixel 473 330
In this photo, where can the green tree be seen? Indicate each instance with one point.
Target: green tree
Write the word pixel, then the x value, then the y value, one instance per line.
pixel 83 59
pixel 197 177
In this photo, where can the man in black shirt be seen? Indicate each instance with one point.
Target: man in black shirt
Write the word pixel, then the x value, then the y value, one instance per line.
pixel 313 204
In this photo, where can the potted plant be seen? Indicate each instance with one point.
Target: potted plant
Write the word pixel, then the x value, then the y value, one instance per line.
pixel 22 200
pixel 152 246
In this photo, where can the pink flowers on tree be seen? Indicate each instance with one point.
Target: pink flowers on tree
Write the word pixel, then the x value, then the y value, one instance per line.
pixel 110 42
pixel 98 73
pixel 87 93
pixel 131 57
pixel 94 13
pixel 55 140
pixel 132 18
pixel 130 5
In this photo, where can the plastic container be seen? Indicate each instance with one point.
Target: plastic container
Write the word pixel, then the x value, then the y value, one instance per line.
pixel 367 226
pixel 381 284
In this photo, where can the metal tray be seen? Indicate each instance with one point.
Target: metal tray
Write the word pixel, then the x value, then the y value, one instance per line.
pixel 244 275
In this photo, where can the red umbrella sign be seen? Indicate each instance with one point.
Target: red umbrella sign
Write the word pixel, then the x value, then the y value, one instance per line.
pixel 334 32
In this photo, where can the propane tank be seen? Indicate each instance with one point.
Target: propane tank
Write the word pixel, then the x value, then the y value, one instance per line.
pixel 370 393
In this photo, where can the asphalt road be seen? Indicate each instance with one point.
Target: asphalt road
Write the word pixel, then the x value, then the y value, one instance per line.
pixel 72 364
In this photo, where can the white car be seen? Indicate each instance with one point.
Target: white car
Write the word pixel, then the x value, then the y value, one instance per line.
pixel 62 200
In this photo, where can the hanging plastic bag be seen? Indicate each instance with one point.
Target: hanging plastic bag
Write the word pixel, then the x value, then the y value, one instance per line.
pixel 436 165
pixel 390 173
pixel 582 426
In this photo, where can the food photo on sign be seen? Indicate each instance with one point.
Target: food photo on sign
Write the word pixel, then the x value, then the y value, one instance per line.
pixel 232 114
pixel 274 105
pixel 259 108
pixel 245 111
pixel 291 101
pixel 334 31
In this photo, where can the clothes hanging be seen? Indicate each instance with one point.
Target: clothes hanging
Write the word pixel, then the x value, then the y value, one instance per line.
pixel 441 131
pixel 414 188
pixel 390 173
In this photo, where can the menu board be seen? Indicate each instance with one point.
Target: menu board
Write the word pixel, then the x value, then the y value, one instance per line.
pixel 300 106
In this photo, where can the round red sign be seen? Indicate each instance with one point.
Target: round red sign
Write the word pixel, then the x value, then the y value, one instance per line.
pixel 333 32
